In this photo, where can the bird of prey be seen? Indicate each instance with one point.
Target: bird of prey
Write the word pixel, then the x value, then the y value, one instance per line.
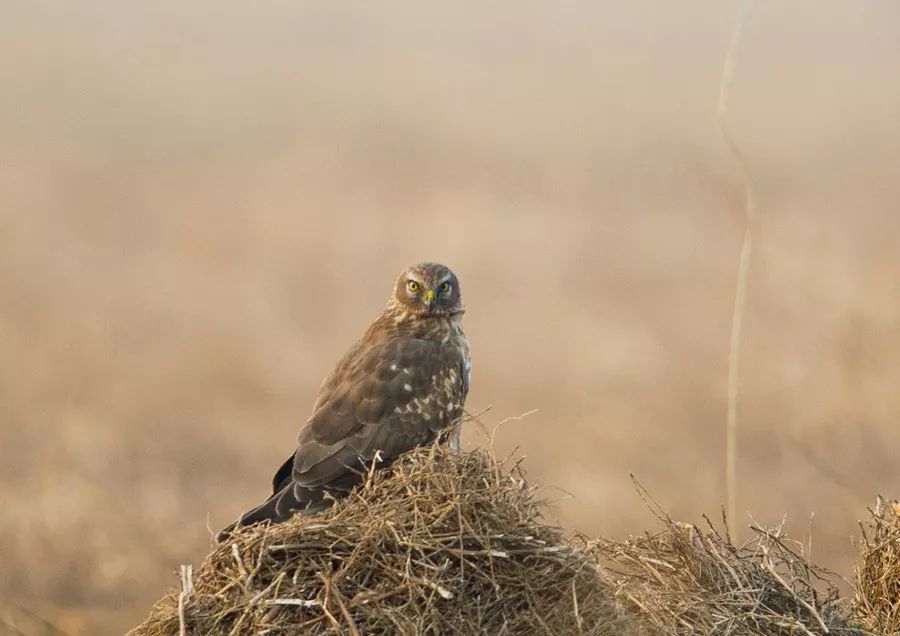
pixel 400 386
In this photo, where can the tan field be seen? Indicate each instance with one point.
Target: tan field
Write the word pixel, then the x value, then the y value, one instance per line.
pixel 203 204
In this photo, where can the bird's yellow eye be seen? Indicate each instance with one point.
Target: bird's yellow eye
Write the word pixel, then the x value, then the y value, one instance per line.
pixel 412 285
pixel 445 287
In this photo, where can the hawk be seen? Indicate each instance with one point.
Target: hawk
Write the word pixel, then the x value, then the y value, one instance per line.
pixel 400 386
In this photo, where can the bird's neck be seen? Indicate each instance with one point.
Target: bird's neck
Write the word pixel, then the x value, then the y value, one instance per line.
pixel 428 327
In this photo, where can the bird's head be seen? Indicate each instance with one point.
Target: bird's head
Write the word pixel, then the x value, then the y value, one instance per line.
pixel 427 289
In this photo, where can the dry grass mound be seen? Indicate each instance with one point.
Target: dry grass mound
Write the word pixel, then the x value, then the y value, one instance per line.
pixel 455 544
pixel 684 580
pixel 440 544
pixel 878 573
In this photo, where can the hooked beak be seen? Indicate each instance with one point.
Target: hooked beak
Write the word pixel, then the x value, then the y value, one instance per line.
pixel 428 298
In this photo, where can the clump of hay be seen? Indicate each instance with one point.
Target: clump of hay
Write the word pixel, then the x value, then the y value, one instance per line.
pixel 878 572
pixel 447 543
pixel 440 544
pixel 684 580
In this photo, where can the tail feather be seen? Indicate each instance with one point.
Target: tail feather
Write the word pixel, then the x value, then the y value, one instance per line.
pixel 290 499
pixel 266 511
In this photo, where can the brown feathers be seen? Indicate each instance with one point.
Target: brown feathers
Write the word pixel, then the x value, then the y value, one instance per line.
pixel 398 387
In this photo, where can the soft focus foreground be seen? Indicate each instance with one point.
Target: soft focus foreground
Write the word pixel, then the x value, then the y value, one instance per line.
pixel 450 543
pixel 878 572
pixel 201 206
pixel 442 544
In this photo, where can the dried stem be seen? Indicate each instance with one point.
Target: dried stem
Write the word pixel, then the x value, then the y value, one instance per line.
pixel 187 588
pixel 740 298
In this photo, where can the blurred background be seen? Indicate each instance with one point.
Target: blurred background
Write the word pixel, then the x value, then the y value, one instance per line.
pixel 203 204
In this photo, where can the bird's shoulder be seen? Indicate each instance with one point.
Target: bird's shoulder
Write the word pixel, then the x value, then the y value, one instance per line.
pixel 386 378
pixel 389 395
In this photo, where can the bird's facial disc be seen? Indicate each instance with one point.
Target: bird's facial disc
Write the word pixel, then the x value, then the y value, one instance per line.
pixel 429 289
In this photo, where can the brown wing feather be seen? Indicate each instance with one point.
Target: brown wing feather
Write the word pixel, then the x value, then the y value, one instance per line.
pixel 397 396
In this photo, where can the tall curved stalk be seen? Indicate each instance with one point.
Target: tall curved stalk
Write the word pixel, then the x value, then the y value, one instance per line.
pixel 740 297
